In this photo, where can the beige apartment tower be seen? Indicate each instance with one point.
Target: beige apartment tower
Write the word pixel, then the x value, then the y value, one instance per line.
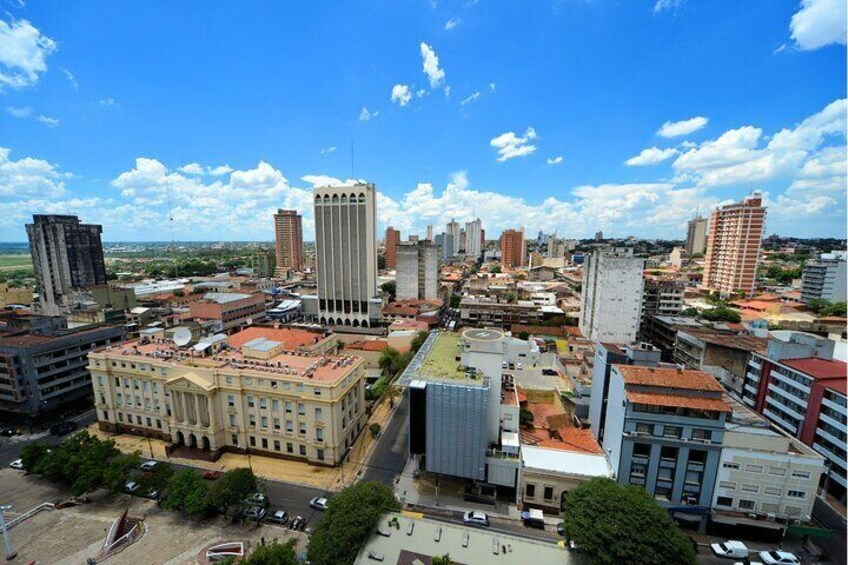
pixel 733 246
pixel 346 255
pixel 288 228
pixel 696 236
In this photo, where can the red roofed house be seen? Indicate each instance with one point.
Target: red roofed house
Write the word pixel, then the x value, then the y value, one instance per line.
pixel 798 386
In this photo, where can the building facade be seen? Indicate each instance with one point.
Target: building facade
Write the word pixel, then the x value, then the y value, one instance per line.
pixel 696 235
pixel 513 248
pixel 257 397
pixel 391 243
pixel 733 246
pixel 452 228
pixel 611 299
pixel 661 297
pixel 417 271
pixel 664 431
pixel 45 367
pixel 346 249
pixel 474 238
pixel 825 278
pixel 66 256
pixel 228 310
pixel 288 229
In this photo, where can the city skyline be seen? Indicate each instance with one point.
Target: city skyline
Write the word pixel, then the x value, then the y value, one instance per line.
pixel 563 130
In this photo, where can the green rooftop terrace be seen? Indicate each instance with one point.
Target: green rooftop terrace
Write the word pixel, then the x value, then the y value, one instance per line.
pixel 440 362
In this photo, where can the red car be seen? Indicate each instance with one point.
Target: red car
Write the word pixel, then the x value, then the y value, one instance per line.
pixel 211 475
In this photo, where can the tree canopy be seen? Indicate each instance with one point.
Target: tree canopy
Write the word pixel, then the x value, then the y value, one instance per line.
pixel 273 553
pixel 721 314
pixel 232 489
pixel 389 288
pixel 348 521
pixel 189 493
pixel 826 308
pixel 612 524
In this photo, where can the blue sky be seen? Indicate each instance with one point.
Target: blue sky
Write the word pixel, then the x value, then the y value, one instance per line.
pixel 546 114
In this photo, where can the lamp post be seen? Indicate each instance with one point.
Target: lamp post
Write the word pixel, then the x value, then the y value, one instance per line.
pixel 10 551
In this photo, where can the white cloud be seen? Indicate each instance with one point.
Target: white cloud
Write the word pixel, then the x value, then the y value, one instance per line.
pixel 23 54
pixel 107 102
pixel 365 115
pixel 471 98
pixel 192 169
pixel 683 127
pixel 509 145
pixel 819 23
pixel 401 94
pixel 651 156
pixel 431 68
pixel 663 5
pixel 220 170
pixel 452 23
pixel 328 150
pixel 29 178
pixel 554 160
pixel 72 80
pixel 198 169
pixel 737 156
pixel 22 112
pixel 49 121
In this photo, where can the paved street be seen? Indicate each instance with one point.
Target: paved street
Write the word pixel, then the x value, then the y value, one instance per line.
pixel 835 546
pixel 389 456
pixel 10 447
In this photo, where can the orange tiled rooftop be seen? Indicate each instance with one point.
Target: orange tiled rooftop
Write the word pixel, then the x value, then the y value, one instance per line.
pixel 669 378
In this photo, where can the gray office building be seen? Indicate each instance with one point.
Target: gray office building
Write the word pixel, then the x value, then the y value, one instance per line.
pixel 67 256
pixel 417 271
pixel 824 278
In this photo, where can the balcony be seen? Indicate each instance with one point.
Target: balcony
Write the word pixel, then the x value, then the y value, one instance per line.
pixel 831 438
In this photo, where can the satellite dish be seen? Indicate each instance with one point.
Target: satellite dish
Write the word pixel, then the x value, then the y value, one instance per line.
pixel 182 337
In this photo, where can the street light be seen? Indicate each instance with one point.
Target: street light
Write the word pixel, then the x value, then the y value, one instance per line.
pixel 10 551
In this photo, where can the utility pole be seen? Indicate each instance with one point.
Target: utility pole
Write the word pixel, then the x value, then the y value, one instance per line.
pixel 10 551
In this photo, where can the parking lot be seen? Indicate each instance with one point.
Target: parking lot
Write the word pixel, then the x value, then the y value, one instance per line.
pixel 72 535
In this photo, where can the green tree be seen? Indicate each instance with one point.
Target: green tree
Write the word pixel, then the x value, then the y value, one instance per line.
pixel 374 429
pixel 613 524
pixel 689 312
pixel 495 269
pixel 32 454
pixel 158 478
pixel 525 416
pixel 348 521
pixel 442 560
pixel 389 288
pixel 389 361
pixel 188 493
pixel 721 314
pixel 381 262
pixel 274 553
pixel 455 299
pixel 523 335
pixel 232 489
pixel 419 340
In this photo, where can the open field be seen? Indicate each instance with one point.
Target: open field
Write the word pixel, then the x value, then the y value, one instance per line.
pixel 15 263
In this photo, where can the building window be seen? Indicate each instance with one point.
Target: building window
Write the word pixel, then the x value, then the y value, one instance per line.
pixel 728 485
pixel 548 493
pixel 232 420
pixel 704 435
pixel 697 457
pixel 641 450
pixel 796 494
pixel 120 417
pixel 252 441
pixel 672 431
pixel 234 439
pixel 303 450
pixel 105 415
pixel 289 426
pixel 772 491
pixel 288 407
pixel 301 429
pixel 252 419
pixel 728 465
pixel 275 405
pixel 276 445
pixel 645 429
pixel 319 454
pixel 289 448
pixel 668 453
pixel 319 434
pixel 264 443
pixel 746 504
pixel 749 488
pixel 149 423
pixel 231 401
pixel 319 414
pixel 724 501
pixel 754 468
pixel 276 423
pixel 264 421
pixel 665 474
pixel 263 403
pixel 530 490
pixel 662 493
pixel 777 471
pixel 250 403
pixel 301 409
pixel 800 474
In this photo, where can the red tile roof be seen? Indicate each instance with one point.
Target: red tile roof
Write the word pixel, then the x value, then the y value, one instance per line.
pixel 289 337
pixel 668 378
pixel 819 369
pixel 678 401
pixel 368 345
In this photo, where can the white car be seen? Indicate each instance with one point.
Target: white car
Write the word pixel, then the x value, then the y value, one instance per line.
pixel 17 464
pixel 519 366
pixel 730 548
pixel 779 558
pixel 148 465
pixel 132 487
pixel 319 503
pixel 475 518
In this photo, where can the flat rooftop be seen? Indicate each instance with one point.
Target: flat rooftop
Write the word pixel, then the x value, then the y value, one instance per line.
pixel 420 539
pixel 440 362
pixel 224 297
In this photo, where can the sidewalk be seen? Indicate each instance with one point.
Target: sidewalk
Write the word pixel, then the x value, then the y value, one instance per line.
pixel 271 468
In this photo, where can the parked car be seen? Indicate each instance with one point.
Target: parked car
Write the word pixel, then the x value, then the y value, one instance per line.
pixel 9 432
pixel 258 499
pixel 779 558
pixel 255 512
pixel 152 494
pixel 475 518
pixel 132 487
pixel 731 548
pixel 533 518
pixel 148 465
pixel 211 475
pixel 319 503
pixel 748 563
pixel 17 464
pixel 64 428
pixel 297 524
pixel 561 528
pixel 278 517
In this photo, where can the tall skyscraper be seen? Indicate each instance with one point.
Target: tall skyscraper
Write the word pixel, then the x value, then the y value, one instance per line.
pixel 417 271
pixel 513 250
pixel 288 228
pixel 733 246
pixel 474 238
pixel 696 236
pixel 392 242
pixel 453 228
pixel 611 298
pixel 430 232
pixel 444 241
pixel 346 253
pixel 66 256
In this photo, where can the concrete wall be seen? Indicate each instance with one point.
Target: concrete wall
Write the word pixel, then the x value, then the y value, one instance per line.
pixel 456 422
